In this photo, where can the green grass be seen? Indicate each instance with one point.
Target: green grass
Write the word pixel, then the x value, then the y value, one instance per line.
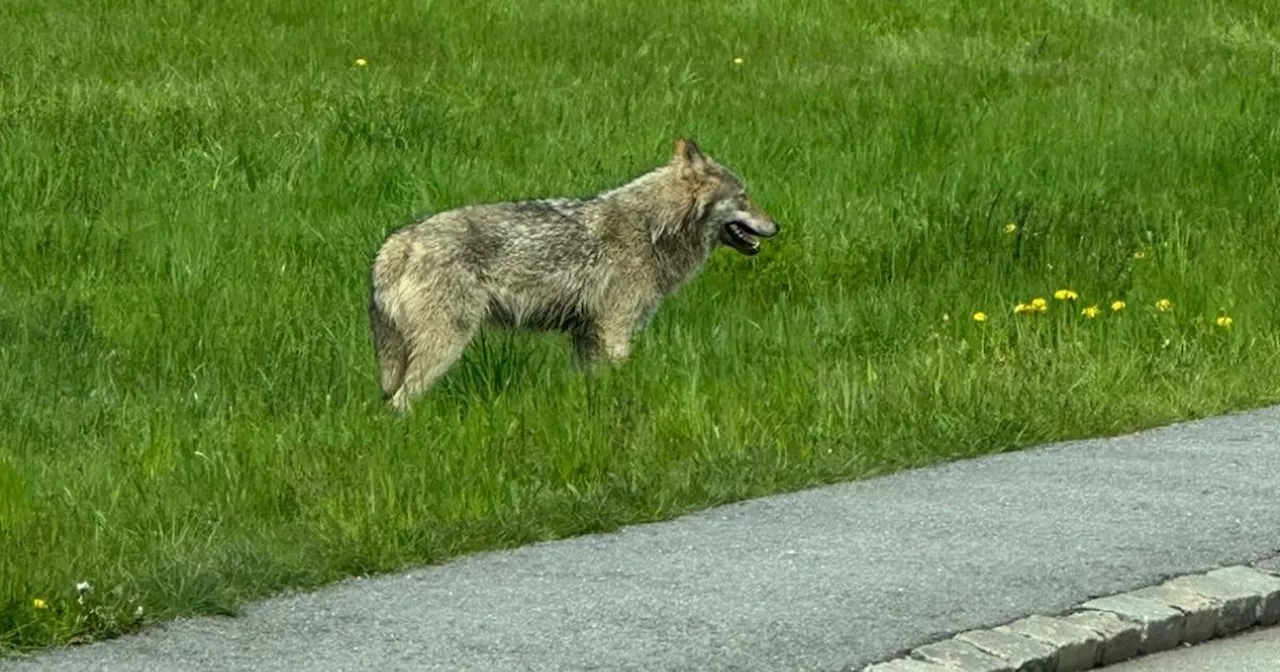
pixel 191 192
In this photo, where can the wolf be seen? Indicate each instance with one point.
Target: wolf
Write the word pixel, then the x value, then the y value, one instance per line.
pixel 593 268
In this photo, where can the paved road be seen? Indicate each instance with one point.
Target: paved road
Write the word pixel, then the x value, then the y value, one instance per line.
pixel 815 580
pixel 1258 651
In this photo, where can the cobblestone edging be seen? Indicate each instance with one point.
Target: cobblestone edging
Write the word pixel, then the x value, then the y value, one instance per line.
pixel 1184 610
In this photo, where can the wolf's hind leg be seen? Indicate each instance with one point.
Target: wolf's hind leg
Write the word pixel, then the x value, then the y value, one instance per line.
pixel 432 352
pixel 390 351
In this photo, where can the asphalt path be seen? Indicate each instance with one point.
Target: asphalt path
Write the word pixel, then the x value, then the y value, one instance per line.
pixel 815 580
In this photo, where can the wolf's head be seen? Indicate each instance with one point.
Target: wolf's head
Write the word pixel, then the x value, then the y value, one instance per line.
pixel 722 206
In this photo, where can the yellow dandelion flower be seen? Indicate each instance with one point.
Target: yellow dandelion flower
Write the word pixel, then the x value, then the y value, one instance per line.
pixel 1225 322
pixel 979 317
pixel 1117 306
pixel 39 603
pixel 1065 295
pixel 1010 228
pixel 1091 312
pixel 360 62
pixel 1164 305
pixel 1039 305
pixel 1021 308
pixel 737 60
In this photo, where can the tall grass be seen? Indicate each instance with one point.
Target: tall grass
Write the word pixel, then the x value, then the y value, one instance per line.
pixel 191 192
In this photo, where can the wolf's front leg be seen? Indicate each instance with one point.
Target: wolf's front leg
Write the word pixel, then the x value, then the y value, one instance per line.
pixel 608 340
pixel 586 347
pixel 591 350
pixel 614 336
pixel 617 349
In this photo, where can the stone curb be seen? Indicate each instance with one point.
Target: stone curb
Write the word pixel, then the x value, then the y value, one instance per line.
pixel 1184 610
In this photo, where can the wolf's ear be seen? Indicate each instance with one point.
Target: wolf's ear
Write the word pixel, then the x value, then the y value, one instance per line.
pixel 686 151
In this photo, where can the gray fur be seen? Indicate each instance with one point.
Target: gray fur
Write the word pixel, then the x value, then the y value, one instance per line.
pixel 596 269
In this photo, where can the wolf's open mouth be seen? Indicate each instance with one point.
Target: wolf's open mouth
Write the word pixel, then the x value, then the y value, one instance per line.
pixel 738 236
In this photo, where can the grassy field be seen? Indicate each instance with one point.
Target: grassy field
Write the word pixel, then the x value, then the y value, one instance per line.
pixel 191 192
